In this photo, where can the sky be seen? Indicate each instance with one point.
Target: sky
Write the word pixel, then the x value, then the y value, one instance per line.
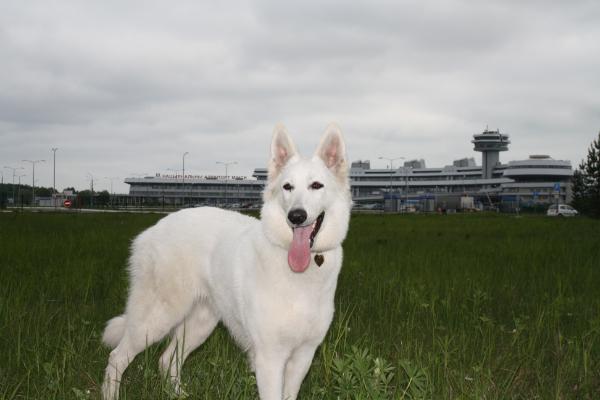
pixel 125 88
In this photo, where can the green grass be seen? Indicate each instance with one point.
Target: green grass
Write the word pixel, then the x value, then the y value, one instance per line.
pixel 428 306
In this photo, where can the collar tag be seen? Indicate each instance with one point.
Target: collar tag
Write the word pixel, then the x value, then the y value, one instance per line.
pixel 319 259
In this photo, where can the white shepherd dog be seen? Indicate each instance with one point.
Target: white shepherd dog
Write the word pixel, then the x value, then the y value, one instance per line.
pixel 270 281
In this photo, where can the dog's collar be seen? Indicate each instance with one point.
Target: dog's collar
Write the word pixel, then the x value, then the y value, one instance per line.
pixel 318 223
pixel 319 259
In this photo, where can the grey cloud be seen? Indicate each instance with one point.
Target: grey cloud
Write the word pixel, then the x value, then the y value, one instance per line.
pixel 127 87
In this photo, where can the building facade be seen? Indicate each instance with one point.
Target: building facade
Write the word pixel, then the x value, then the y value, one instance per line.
pixel 537 181
pixel 235 191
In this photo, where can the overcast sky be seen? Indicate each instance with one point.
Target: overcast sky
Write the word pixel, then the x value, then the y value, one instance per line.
pixel 124 88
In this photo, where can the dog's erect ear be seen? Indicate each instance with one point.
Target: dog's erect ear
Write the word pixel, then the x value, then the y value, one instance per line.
pixel 332 151
pixel 282 149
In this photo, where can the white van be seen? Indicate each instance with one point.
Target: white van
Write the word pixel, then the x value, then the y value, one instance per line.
pixel 561 210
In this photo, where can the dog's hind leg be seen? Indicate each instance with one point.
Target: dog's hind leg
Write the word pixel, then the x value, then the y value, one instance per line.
pixel 189 334
pixel 146 323
pixel 118 361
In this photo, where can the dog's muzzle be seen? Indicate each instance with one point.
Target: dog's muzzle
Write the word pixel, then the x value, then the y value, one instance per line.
pixel 303 240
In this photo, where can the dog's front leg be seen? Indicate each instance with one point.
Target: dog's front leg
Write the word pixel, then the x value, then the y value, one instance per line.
pixel 269 374
pixel 296 369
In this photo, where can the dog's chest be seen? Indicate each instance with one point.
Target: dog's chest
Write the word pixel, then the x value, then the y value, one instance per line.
pixel 298 308
pixel 264 301
pixel 296 315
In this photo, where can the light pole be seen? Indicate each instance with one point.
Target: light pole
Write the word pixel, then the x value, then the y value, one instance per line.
pixel 391 160
pixel 226 164
pixel 91 177
pixel 14 169
pixel 112 194
pixel 33 162
pixel 183 175
pixel 54 176
pixel 19 191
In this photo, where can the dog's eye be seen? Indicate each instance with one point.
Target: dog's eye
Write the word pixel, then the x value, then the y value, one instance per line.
pixel 288 187
pixel 316 185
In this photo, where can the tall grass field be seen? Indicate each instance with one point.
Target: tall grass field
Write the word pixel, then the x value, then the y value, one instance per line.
pixel 427 307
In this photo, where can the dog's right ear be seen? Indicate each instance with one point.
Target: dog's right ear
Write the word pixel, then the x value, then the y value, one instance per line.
pixel 282 150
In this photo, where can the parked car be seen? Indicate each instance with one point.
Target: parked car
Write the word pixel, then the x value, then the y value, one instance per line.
pixel 561 210
pixel 373 206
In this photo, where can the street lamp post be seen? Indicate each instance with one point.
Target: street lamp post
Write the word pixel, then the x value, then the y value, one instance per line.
pixel 183 175
pixel 19 191
pixel 54 176
pixel 92 189
pixel 33 162
pixel 391 160
pixel 112 194
pixel 14 169
pixel 226 164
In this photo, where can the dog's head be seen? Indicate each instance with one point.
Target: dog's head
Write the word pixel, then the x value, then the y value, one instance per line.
pixel 307 201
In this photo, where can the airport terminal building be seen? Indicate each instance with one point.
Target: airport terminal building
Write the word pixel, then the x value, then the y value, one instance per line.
pixel 536 181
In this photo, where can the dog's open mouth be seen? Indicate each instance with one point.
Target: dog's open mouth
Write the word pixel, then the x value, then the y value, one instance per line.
pixel 302 242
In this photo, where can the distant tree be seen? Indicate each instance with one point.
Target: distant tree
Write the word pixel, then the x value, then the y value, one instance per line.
pixel 43 192
pixel 579 201
pixel 3 195
pixel 102 198
pixel 84 198
pixel 592 176
pixel 586 182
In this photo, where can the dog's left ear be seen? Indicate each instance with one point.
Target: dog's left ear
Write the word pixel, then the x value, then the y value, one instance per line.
pixel 332 151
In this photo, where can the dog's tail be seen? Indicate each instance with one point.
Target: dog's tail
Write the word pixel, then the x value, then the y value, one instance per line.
pixel 115 328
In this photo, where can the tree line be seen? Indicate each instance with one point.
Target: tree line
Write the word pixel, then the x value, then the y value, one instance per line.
pixel 22 195
pixel 586 182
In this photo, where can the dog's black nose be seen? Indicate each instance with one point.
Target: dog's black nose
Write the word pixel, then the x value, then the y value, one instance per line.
pixel 297 216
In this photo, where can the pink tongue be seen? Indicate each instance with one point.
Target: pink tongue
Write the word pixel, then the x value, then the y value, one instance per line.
pixel 299 252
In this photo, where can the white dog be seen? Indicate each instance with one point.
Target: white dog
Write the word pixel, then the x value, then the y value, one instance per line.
pixel 271 282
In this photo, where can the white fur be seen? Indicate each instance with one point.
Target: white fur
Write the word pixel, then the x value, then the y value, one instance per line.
pixel 197 267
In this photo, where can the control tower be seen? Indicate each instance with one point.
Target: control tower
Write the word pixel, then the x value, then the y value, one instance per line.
pixel 490 144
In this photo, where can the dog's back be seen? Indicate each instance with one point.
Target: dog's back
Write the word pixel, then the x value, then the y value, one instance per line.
pixel 171 259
